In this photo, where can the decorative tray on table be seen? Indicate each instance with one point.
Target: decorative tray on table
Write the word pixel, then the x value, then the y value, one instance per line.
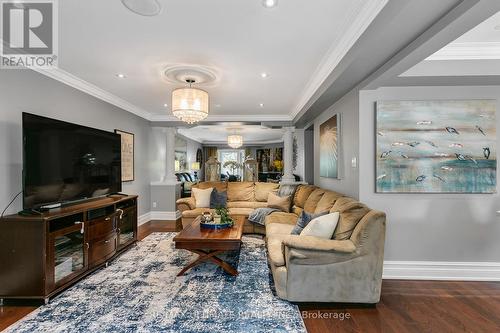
pixel 217 222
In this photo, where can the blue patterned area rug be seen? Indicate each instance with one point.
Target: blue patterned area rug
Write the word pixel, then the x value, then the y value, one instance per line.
pixel 140 292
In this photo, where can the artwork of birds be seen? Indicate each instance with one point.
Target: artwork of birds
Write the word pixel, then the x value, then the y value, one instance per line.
pixel 480 130
pixel 421 178
pixel 486 152
pixel 451 130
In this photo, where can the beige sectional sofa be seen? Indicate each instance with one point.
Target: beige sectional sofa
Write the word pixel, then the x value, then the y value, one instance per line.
pixel 346 268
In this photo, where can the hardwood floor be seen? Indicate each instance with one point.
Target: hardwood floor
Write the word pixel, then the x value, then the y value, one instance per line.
pixel 405 306
pixel 415 306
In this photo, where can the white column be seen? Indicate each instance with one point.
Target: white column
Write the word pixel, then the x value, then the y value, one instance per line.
pixel 170 177
pixel 288 155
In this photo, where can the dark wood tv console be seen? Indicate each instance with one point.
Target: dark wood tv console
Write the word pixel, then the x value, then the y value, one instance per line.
pixel 42 255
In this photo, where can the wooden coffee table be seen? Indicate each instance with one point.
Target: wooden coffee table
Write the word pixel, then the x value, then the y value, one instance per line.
pixel 207 243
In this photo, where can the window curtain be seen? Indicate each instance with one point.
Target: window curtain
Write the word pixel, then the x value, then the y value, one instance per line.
pixel 210 152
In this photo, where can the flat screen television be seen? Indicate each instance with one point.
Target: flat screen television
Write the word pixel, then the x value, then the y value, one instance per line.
pixel 64 162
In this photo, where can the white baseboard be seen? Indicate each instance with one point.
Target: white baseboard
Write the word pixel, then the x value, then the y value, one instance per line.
pixel 437 270
pixel 162 216
pixel 144 218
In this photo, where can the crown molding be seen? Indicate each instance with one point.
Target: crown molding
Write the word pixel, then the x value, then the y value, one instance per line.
pixel 93 90
pixel 226 118
pixel 245 143
pixel 360 21
pixel 468 51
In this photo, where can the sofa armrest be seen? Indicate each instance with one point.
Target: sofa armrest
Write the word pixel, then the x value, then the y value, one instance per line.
pixel 318 244
pixel 186 204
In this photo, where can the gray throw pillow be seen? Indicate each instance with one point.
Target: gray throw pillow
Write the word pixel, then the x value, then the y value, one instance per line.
pixel 303 220
pixel 218 199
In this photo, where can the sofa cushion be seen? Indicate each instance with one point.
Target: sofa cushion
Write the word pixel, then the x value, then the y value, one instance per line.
pixel 196 212
pixel 241 204
pixel 313 199
pixel 301 194
pixel 257 204
pixel 297 210
pixel 240 191
pixel 303 220
pixel 275 250
pixel 350 214
pixel 341 202
pixel 322 227
pixel 327 200
pixel 220 186
pixel 277 202
pixel 278 229
pixel 218 199
pixel 281 217
pixel 262 190
pixel 202 197
pixel 240 211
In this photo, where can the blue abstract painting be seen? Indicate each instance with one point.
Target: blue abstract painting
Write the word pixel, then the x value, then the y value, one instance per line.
pixel 446 146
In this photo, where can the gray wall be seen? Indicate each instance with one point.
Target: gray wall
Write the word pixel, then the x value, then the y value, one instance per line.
pixel 429 227
pixel 347 107
pixel 28 91
pixel 157 150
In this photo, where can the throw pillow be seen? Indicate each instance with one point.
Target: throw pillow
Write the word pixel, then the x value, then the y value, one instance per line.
pixel 202 197
pixel 277 202
pixel 322 227
pixel 218 199
pixel 303 220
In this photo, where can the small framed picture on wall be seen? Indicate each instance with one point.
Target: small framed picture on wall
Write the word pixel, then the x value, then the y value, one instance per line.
pixel 127 149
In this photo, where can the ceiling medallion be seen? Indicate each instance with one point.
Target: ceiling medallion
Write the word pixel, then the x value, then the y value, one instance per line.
pixel 189 104
pixel 179 73
pixel 143 7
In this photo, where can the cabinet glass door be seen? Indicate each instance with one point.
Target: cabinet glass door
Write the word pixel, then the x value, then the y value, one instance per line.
pixel 126 228
pixel 69 252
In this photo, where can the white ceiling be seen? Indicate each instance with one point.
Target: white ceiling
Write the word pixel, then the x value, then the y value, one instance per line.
pixel 217 134
pixel 297 43
pixel 475 53
pixel 488 31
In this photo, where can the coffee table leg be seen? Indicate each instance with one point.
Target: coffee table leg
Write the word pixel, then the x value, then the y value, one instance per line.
pixel 210 256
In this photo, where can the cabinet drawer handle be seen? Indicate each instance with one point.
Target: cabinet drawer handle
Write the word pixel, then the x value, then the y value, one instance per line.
pixel 108 218
pixel 106 241
pixel 82 226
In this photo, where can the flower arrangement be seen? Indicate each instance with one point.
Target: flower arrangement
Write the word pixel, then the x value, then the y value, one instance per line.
pixel 233 165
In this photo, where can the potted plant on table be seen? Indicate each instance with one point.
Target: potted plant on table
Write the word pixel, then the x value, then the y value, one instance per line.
pixel 222 216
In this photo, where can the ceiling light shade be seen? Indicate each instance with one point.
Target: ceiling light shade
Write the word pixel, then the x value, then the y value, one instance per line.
pixel 190 104
pixel 235 141
pixel 143 7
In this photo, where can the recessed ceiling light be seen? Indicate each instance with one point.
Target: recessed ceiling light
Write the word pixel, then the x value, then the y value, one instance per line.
pixel 143 7
pixel 121 76
pixel 269 3
pixel 261 105
pixel 217 105
pixel 165 105
pixel 263 75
